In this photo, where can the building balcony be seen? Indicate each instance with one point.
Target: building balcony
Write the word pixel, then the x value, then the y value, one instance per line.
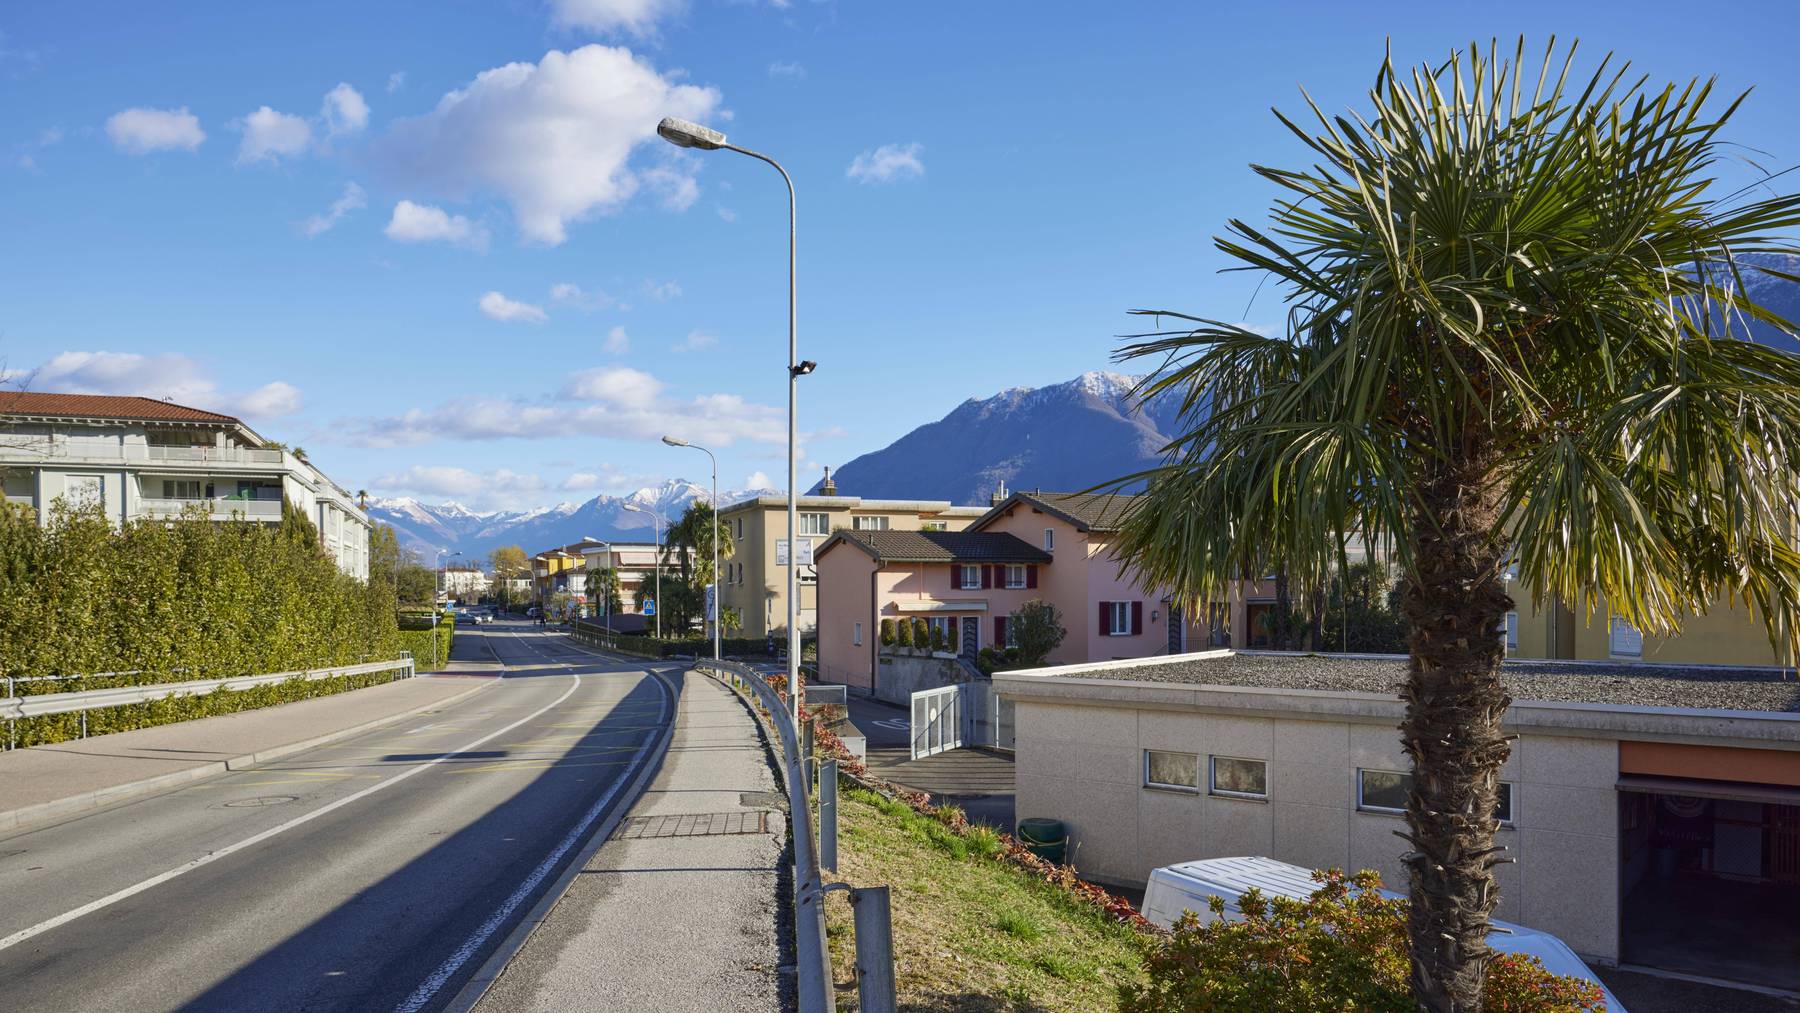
pixel 218 509
pixel 40 449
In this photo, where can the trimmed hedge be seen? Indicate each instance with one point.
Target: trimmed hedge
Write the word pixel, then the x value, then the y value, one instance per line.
pixel 418 641
pixel 699 647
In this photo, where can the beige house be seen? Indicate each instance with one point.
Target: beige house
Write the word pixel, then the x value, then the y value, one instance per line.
pixel 1652 812
pixel 752 583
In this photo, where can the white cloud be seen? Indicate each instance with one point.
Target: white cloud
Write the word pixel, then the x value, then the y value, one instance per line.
pixel 270 136
pixel 396 81
pixel 661 291
pixel 499 307
pixel 344 111
pixel 481 490
pixel 352 199
pixel 888 163
pixel 695 341
pixel 632 17
pixel 422 223
pixel 140 130
pixel 174 377
pixel 617 385
pixel 727 214
pixel 758 480
pixel 790 70
pixel 617 341
pixel 554 139
pixel 574 295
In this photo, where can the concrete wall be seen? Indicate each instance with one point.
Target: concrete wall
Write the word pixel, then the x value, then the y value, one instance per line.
pixel 902 675
pixel 1084 764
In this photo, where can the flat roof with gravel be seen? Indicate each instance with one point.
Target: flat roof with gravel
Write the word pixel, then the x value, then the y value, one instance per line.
pixel 1697 687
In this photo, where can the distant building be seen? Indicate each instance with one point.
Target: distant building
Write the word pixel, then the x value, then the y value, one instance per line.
pixel 634 562
pixel 463 583
pixel 137 457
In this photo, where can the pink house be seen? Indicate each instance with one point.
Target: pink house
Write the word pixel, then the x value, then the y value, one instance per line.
pixel 1053 546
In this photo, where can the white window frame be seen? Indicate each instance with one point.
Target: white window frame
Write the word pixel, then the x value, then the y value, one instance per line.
pixel 1012 633
pixel 806 522
pixel 968 576
pixel 1186 789
pixel 1049 539
pixel 1509 632
pixel 856 636
pixel 1506 792
pixel 1121 619
pixel 1612 639
pixel 1212 778
pixel 1011 569
pixel 875 523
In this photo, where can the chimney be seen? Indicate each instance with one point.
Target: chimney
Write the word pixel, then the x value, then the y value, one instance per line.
pixel 999 495
pixel 828 487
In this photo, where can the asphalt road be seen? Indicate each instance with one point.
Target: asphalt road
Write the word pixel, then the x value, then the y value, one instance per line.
pixel 377 873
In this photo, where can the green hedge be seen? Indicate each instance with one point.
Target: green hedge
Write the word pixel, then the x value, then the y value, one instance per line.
pixel 419 643
pixel 154 601
pixel 667 647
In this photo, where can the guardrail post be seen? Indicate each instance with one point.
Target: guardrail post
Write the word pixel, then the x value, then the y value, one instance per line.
pixel 874 949
pixel 828 815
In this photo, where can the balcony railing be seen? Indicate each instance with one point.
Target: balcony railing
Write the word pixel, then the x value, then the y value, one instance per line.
pixel 219 508
pixel 230 455
pixel 57 448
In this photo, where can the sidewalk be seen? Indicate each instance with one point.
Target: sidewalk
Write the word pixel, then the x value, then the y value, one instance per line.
pixel 680 909
pixel 43 782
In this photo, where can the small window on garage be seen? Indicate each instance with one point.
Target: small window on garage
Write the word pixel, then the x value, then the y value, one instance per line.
pixel 1240 778
pixel 1625 641
pixel 1385 791
pixel 1170 770
pixel 856 635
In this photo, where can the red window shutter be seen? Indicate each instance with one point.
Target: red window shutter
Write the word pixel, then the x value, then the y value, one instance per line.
pixel 1137 617
pixel 1031 576
pixel 1106 619
pixel 955 644
pixel 987 577
pixel 955 577
pixel 1000 633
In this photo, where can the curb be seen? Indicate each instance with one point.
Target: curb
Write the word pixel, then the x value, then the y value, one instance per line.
pixel 472 992
pixel 101 797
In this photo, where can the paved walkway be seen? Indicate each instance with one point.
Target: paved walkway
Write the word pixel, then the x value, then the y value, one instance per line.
pixel 47 782
pixel 683 902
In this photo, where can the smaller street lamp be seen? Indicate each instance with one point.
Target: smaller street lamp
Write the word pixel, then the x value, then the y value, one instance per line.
pixel 657 527
pixel 712 536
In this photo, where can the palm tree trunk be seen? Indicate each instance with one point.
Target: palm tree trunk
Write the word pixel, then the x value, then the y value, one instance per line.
pixel 1454 702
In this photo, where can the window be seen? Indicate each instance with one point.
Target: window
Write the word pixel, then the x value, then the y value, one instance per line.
pixel 1625 641
pixel 971 576
pixel 856 635
pixel 945 627
pixel 934 526
pixel 1240 778
pixel 84 490
pixel 815 524
pixel 1012 631
pixel 1049 539
pixel 1015 576
pixel 1175 771
pixel 870 523
pixel 181 488
pixel 738 528
pixel 1385 791
pixel 1509 632
pixel 1119 621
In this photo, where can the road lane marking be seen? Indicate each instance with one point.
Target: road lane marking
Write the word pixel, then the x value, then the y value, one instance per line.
pixel 207 859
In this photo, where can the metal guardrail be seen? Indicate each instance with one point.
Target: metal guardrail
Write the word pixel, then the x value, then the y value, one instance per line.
pixel 14 708
pixel 815 987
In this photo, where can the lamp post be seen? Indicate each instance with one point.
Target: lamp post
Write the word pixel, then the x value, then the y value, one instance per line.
pixel 713 536
pixel 437 589
pixel 656 526
pixel 683 134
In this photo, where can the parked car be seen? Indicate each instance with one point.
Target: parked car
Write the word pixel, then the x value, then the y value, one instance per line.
pixel 1185 887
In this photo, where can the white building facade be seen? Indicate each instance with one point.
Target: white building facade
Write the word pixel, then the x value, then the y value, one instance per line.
pixel 142 458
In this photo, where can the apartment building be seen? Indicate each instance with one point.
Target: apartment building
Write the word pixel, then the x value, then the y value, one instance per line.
pixel 138 457
pixel 753 583
pixel 561 570
pixel 634 562
pixel 463 583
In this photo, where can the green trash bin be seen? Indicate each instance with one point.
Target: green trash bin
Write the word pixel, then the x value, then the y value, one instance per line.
pixel 1045 838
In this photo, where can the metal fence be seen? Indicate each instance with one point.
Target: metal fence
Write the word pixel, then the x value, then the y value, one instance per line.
pixel 15 708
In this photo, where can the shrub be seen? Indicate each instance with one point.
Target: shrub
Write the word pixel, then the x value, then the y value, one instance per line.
pixel 904 638
pixel 1342 948
pixel 887 633
pixel 921 632
pixel 937 638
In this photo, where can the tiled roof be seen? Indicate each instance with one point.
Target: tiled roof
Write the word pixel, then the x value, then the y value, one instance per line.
pixel 103 406
pixel 1087 511
pixel 941 546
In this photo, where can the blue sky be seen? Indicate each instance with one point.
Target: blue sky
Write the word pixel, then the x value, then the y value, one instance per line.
pixel 985 189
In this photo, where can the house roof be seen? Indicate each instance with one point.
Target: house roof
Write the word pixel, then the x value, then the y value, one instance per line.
pixel 1100 511
pixel 939 546
pixel 104 406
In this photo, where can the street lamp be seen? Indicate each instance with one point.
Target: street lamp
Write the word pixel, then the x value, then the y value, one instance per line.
pixel 683 134
pixel 437 589
pixel 718 600
pixel 657 527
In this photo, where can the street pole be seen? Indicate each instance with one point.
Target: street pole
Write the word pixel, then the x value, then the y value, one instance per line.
pixel 713 536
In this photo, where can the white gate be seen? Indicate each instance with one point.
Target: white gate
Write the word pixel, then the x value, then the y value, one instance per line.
pixel 937 720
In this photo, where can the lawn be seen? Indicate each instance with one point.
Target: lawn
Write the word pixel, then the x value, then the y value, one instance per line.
pixel 970 932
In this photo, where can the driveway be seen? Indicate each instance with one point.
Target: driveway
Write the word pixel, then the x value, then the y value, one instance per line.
pixel 978 780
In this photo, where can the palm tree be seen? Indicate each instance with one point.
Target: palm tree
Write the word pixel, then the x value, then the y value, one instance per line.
pixel 688 548
pixel 1513 304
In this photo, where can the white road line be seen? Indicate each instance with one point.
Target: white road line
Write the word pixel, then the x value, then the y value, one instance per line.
pixel 213 856
pixel 432 985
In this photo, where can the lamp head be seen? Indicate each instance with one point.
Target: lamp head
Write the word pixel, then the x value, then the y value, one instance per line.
pixel 683 134
pixel 806 366
pixel 675 441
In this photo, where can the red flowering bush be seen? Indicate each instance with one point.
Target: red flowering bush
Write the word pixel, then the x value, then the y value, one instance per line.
pixel 1343 948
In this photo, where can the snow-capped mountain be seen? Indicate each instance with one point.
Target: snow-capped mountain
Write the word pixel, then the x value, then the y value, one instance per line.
pixel 1064 437
pixel 453 527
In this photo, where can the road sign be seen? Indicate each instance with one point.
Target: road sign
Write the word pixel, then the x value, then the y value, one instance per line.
pixel 649 606
pixel 781 552
pixel 712 602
